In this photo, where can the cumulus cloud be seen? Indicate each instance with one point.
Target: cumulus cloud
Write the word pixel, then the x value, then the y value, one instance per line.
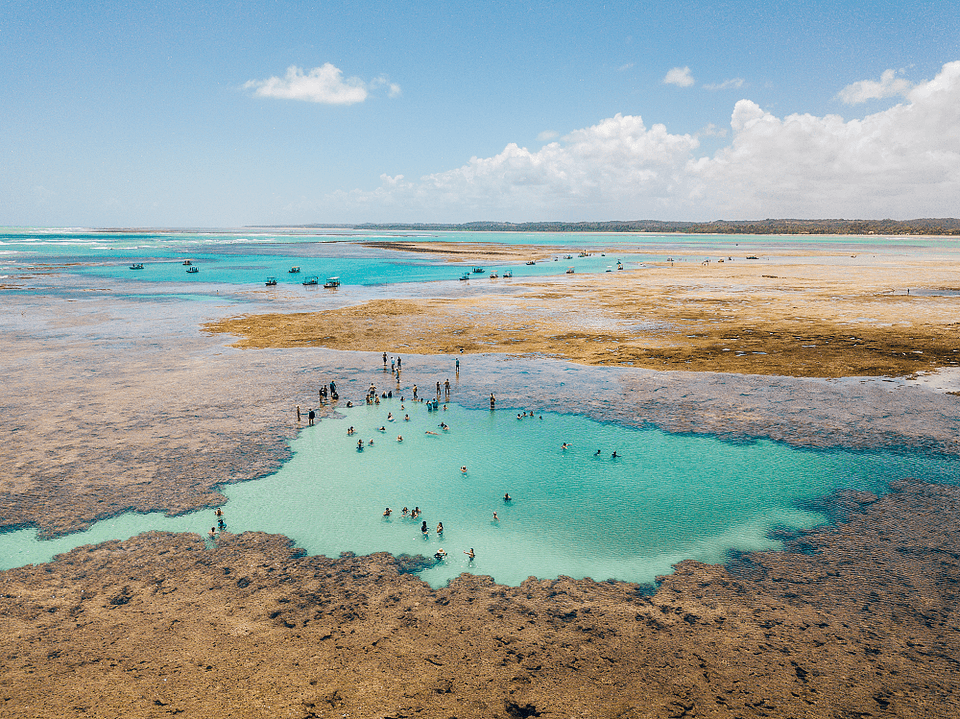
pixel 324 84
pixel 889 86
pixel 679 76
pixel 902 162
pixel 734 83
pixel 548 135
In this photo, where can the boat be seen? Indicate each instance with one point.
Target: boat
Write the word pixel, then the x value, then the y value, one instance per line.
pixel 312 280
pixel 568 257
pixel 531 262
pixel 569 270
pixel 187 263
pixel 494 276
pixel 465 276
pixel 752 257
pixel 508 273
pixel 294 270
pixel 479 270
pixel 136 266
pixel 332 283
pixel 271 281
pixel 193 268
pixel 584 253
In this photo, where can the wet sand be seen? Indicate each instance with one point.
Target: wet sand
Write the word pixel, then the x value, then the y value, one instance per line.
pixel 107 408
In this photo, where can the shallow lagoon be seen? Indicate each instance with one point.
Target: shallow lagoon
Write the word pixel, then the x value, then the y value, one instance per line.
pixel 667 498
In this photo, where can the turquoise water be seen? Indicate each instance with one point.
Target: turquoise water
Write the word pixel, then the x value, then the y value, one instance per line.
pixel 238 258
pixel 667 498
pixel 248 257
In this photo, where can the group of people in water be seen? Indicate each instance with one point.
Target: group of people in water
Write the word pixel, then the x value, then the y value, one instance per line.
pixel 221 524
pixel 414 514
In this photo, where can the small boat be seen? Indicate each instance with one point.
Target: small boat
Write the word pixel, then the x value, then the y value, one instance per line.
pixel 187 263
pixel 752 257
pixel 583 254
pixel 332 283
pixel 619 265
pixel 312 280
pixel 271 281
pixel 531 262
pixel 294 270
pixel 193 268
pixel 508 273
pixel 494 276
pixel 465 276
pixel 569 270
pixel 479 270
pixel 568 257
pixel 136 266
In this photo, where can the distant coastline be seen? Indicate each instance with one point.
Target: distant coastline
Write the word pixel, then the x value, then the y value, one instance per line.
pixel 925 226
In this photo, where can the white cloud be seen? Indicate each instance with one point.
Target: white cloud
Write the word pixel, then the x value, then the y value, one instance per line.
pixel 548 135
pixel 679 76
pixel 889 86
pixel 324 84
pixel 732 84
pixel 627 66
pixel 902 162
pixel 711 130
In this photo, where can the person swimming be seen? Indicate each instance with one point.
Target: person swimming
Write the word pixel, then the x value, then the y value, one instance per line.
pixel 495 517
pixel 387 512
pixel 423 528
pixel 359 444
pixel 507 497
pixel 406 418
pixel 389 416
pixel 382 428
pixel 212 532
pixel 416 513
pixel 399 437
pixel 597 453
pixel 350 430
pixel 440 555
pixel 614 455
pixel 463 469
pixel 444 427
pixel 429 432
pixel 405 512
pixel 564 445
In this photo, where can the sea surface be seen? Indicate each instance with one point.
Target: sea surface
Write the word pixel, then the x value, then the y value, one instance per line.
pixel 577 510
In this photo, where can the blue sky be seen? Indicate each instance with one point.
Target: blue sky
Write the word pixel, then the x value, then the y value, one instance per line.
pixel 230 113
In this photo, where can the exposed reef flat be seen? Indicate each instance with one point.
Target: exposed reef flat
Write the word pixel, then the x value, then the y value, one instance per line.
pixel 112 403
pixel 862 622
pixel 823 317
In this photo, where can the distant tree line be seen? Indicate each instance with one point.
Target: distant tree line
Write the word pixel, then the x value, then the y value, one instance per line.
pixel 926 226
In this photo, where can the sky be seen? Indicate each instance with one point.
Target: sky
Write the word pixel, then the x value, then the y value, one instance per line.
pixel 171 113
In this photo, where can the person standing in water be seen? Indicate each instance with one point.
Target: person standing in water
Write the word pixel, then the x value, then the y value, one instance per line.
pixel 440 528
pixel 470 554
pixel 298 414
pixel 423 529
pixel 458 369
pixel 384 360
pixel 493 401
pixel 310 416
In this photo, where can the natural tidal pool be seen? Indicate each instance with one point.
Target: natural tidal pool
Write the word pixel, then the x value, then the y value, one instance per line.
pixel 577 511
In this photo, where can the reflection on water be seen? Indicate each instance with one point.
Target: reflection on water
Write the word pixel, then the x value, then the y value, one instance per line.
pixel 576 511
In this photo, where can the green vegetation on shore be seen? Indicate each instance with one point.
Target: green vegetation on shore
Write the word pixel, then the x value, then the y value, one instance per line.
pixel 927 226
